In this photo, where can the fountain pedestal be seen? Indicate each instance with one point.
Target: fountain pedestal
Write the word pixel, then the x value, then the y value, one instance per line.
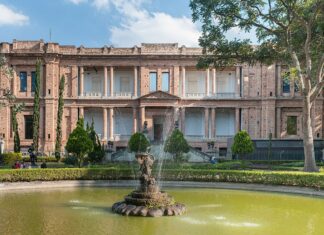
pixel 148 199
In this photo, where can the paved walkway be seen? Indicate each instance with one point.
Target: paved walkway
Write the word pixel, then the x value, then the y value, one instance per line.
pixel 41 185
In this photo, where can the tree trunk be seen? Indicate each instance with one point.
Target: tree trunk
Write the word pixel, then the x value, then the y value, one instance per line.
pixel 310 163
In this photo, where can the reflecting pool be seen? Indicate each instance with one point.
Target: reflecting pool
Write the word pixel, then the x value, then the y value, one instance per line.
pixel 209 211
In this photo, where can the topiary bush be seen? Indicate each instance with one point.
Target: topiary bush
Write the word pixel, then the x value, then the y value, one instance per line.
pixel 10 158
pixel 242 143
pixel 177 145
pixel 138 143
pixel 79 144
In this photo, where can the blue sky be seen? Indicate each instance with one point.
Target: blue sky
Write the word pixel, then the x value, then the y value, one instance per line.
pixel 94 23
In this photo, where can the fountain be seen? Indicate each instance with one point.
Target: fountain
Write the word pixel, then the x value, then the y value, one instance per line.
pixel 148 199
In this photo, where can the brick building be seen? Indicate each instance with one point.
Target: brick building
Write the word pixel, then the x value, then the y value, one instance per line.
pixel 120 88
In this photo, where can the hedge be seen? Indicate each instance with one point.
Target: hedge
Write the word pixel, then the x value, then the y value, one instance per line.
pixel 302 179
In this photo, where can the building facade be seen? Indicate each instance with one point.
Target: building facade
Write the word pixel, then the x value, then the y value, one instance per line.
pixel 123 89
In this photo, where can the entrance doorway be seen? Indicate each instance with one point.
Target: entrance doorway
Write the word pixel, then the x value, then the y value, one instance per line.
pixel 158 128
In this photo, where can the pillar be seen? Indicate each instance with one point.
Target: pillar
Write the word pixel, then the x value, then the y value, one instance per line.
pixel 81 112
pixel 214 82
pixel 279 81
pixel 175 115
pixel 183 73
pixel 183 120
pixel 135 81
pixel 111 81
pixel 237 120
pixel 207 82
pixel 81 80
pixel 238 82
pixel 111 123
pixel 142 117
pixel 134 119
pixel 213 123
pixel 278 123
pixel 105 94
pixel 104 118
pixel 206 123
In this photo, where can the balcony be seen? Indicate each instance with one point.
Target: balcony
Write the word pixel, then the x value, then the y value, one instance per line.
pixel 92 94
pixel 123 94
pixel 194 137
pixel 195 95
pixel 226 95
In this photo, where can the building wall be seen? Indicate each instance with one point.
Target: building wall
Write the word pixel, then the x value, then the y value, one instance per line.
pixel 257 103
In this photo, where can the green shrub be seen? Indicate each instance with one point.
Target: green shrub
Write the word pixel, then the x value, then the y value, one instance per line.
pixel 10 158
pixel 177 145
pixel 71 160
pixel 242 143
pixel 79 143
pixel 138 143
pixel 40 159
pixel 233 165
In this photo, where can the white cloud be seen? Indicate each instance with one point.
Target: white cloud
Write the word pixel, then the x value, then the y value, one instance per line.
pixel 138 25
pixel 9 17
pixel 158 27
pixel 77 2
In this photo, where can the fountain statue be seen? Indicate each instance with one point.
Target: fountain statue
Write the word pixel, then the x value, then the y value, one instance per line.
pixel 148 199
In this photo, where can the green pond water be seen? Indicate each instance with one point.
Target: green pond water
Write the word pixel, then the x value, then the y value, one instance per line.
pixel 209 211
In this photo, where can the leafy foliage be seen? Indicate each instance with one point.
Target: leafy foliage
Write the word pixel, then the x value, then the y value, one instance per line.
pixel 138 143
pixel 10 158
pixel 290 32
pixel 98 153
pixel 36 110
pixel 79 144
pixel 176 144
pixel 17 108
pixel 242 143
pixel 58 142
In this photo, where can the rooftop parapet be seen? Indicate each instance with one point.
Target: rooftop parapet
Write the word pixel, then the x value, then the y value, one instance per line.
pixel 50 47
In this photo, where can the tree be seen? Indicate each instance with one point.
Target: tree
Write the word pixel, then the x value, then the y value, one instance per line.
pixel 36 110
pixel 138 143
pixel 98 153
pixel 176 144
pixel 7 96
pixel 289 32
pixel 79 144
pixel 242 143
pixel 58 142
pixel 17 108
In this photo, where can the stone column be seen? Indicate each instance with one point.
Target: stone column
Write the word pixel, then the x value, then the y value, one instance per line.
pixel 238 82
pixel 214 82
pixel 278 122
pixel 279 81
pixel 142 117
pixel 134 119
pixel 111 81
pixel 105 120
pixel 206 123
pixel 183 74
pixel 74 82
pixel 135 81
pixel 175 115
pixel 237 120
pixel 105 94
pixel 207 82
pixel 81 112
pixel 29 79
pixel 111 123
pixel 213 123
pixel 183 120
pixel 81 80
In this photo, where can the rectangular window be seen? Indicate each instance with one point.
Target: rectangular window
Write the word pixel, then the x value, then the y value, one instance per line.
pixel 153 81
pixel 33 81
pixel 23 81
pixel 292 125
pixel 165 81
pixel 28 127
